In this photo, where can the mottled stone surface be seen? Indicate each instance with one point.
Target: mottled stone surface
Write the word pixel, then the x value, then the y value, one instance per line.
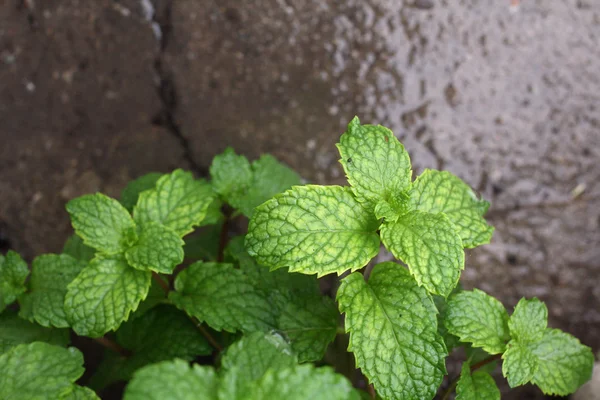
pixel 506 98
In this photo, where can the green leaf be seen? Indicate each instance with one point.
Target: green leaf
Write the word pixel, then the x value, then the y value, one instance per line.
pixel 173 380
pixel 203 244
pixel 131 193
pixel 441 192
pixel 393 332
pixel 213 213
pixel 44 302
pixel 162 333
pixel 75 248
pixel 230 174
pixel 103 295
pixel 564 363
pixel 450 340
pixel 223 297
pixel 156 295
pixel 313 229
pixel 478 318
pixel 178 201
pixel 376 163
pixel 477 386
pixel 269 177
pixel 102 222
pixel 158 249
pixel 251 357
pixel 529 320
pixel 303 382
pixel 81 393
pixel 310 323
pixel 39 371
pixel 430 247
pixel 519 364
pixel 15 331
pixel 13 273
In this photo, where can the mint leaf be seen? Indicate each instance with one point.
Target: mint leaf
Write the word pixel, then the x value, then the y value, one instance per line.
pixel 131 193
pixel 430 247
pixel 310 323
pixel 269 177
pixel 393 332
pixel 81 393
pixel 50 275
pixel 158 249
pixel 441 192
pixel 213 213
pixel 564 363
pixel 376 163
pixel 174 380
pixel 75 248
pixel 156 295
pixel 519 364
pixel 476 386
pixel 313 229
pixel 529 320
pixel 13 273
pixel 250 357
pixel 103 223
pixel 223 297
pixel 15 331
pixel 203 244
pixel 178 201
pixel 103 295
pixel 230 174
pixel 39 371
pixel 450 340
pixel 303 382
pixel 478 318
pixel 162 333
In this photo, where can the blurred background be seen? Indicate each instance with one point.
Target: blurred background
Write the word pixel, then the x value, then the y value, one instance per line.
pixel 505 95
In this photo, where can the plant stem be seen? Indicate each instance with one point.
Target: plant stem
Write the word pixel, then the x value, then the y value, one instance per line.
pixel 474 367
pixel 161 282
pixel 109 344
pixel 340 330
pixel 223 237
pixel 371 391
pixel 207 335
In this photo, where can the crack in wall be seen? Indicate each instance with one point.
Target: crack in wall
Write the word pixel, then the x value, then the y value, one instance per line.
pixel 167 88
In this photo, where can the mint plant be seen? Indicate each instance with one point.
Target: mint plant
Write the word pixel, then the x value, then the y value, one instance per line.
pixel 188 309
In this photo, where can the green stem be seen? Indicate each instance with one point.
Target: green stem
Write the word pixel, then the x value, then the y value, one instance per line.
pixel 161 282
pixel 474 367
pixel 223 238
pixel 340 330
pixel 207 335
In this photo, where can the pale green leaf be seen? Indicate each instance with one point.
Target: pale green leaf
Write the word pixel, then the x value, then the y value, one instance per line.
pixel 231 174
pixel 393 332
pixel 313 229
pixel 13 273
pixel 375 162
pixel 440 191
pixel 269 177
pixel 310 323
pixel 251 357
pixel 222 297
pixel 160 334
pixel 102 222
pixel 564 363
pixel 478 318
pixel 178 201
pixel 476 386
pixel 519 364
pixel 529 320
pixel 81 393
pixel 103 295
pixel 39 371
pixel 173 380
pixel 131 193
pixel 15 331
pixel 430 247
pixel 158 249
pixel 44 301
pixel 75 248
pixel 302 382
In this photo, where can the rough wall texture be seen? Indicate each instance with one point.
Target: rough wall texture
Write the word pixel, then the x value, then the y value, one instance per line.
pixel 93 93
